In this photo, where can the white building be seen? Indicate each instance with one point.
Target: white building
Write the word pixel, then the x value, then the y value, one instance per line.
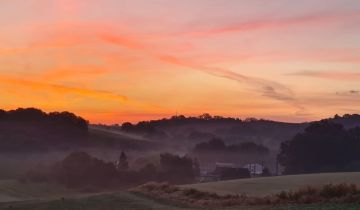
pixel 254 168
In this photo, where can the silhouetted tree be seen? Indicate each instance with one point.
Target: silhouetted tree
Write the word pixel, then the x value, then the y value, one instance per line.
pixel 323 146
pixel 29 114
pixel 3 114
pixel 128 127
pixel 176 169
pixel 205 116
pixel 196 167
pixel 31 129
pixel 79 169
pixel 123 164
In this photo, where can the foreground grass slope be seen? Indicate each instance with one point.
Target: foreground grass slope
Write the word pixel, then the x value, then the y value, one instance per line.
pixel 271 185
pixel 113 201
pixel 41 196
pixel 128 201
pixel 12 190
pixel 314 207
pixel 19 196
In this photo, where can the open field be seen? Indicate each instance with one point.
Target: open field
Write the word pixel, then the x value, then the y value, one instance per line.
pixel 270 185
pixel 18 196
pixel 12 190
pixel 114 201
pixel 41 196
pixel 315 207
pixel 128 201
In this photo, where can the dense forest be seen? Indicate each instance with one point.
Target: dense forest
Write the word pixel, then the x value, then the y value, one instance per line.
pixel 324 146
pixel 24 130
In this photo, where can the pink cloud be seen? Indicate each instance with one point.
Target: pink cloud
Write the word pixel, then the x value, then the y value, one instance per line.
pixel 271 23
pixel 334 75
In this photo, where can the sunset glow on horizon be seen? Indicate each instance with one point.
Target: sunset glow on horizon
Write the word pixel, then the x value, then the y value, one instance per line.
pixel 113 61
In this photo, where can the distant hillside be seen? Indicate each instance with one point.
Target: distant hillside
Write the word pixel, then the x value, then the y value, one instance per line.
pixel 192 130
pixel 32 130
pixel 106 138
pixel 347 120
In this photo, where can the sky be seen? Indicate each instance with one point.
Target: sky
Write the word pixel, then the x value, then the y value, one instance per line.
pixel 112 61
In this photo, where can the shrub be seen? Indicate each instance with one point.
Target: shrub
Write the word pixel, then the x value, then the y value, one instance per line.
pixel 340 190
pixel 341 193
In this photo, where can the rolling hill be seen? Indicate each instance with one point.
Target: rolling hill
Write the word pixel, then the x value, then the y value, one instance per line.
pixel 189 131
pixel 40 196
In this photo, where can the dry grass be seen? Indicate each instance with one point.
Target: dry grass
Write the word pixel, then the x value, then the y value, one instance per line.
pixel 339 193
pixel 271 185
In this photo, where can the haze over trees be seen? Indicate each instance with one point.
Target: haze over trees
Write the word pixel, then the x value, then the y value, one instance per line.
pixel 230 130
pixel 81 170
pixel 208 138
pixel 218 145
pixel 32 130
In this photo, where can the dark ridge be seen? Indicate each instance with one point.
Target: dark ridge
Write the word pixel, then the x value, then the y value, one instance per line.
pixel 30 129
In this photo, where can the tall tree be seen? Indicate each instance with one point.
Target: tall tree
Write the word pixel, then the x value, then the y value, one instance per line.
pixel 196 168
pixel 176 169
pixel 123 163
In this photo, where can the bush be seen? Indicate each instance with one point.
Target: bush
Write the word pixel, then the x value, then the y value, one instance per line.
pixel 334 191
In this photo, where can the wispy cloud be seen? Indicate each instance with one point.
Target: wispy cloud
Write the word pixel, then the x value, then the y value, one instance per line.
pixel 71 92
pixel 62 89
pixel 349 93
pixel 272 23
pixel 103 40
pixel 71 71
pixel 334 75
pixel 267 88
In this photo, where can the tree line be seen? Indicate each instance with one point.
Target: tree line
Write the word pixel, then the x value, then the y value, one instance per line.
pixel 150 126
pixel 80 170
pixel 218 145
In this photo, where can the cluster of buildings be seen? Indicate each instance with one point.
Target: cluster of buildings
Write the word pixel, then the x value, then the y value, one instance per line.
pixel 227 171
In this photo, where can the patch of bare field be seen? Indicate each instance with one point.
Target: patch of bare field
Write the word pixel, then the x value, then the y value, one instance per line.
pixel 331 193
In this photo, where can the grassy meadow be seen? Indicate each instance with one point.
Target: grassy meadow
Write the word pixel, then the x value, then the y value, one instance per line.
pixel 270 185
pixel 128 201
pixel 21 196
pixel 113 201
pixel 41 196
pixel 13 190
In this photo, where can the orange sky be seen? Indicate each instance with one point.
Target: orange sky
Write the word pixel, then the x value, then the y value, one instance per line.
pixel 113 61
